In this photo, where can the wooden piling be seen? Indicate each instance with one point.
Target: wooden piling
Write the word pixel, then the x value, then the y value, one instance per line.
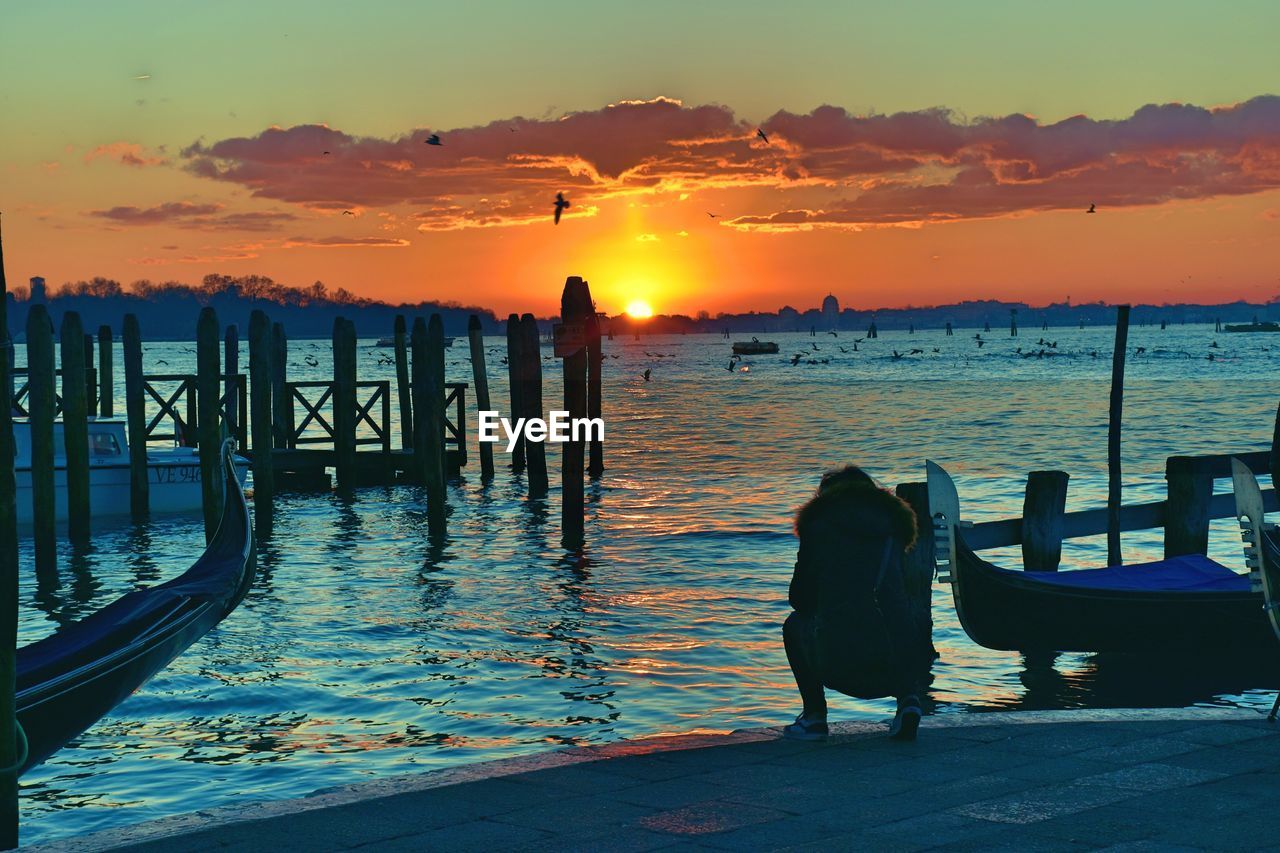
pixel 41 410
pixel 344 402
pixel 230 369
pixel 949 331
pixel 535 452
pixel 435 360
pixel 106 381
pixel 260 417
pixel 281 403
pixel 918 563
pixel 90 377
pixel 575 309
pixel 426 446
pixel 418 384
pixel 8 585
pixel 595 364
pixel 515 379
pixel 136 415
pixel 75 427
pixel 1044 508
pixel 1013 322
pixel 480 376
pixel 1113 435
pixel 209 425
pixel 403 388
pixel 1189 481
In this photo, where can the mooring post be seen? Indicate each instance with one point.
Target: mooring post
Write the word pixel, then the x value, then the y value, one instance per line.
pixel 106 381
pixel 135 409
pixel 8 585
pixel 435 360
pixel 418 387
pixel 575 308
pixel 281 404
pixel 426 443
pixel 480 375
pixel 1044 508
pixel 230 369
pixel 535 452
pixel 344 401
pixel 42 410
pixel 209 426
pixel 515 379
pixel 949 332
pixel 1189 481
pixel 918 562
pixel 90 377
pixel 75 427
pixel 1013 322
pixel 595 364
pixel 1113 435
pixel 403 388
pixel 260 421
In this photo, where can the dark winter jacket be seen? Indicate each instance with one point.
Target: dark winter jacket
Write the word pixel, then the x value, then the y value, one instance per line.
pixel 849 569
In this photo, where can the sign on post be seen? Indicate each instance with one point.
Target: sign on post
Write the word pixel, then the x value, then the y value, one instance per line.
pixel 568 338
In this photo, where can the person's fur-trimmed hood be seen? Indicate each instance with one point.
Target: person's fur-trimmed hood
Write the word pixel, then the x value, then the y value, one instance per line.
pixel 864 500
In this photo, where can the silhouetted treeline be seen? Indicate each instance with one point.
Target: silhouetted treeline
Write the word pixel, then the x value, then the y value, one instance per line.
pixel 963 315
pixel 168 310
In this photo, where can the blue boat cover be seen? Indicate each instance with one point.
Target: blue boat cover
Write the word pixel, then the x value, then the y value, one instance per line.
pixel 1192 573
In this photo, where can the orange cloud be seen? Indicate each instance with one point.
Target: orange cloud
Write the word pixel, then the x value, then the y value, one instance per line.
pixel 126 154
pixel 343 242
pixel 186 214
pixel 841 170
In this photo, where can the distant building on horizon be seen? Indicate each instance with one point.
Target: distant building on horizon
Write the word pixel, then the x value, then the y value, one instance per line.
pixel 831 311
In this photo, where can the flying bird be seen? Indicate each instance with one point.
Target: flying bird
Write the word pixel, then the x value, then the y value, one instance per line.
pixel 347 213
pixel 561 204
pixel 760 133
pixel 1093 208
pixel 646 374
pixel 712 215
pixel 433 139
pixel 326 153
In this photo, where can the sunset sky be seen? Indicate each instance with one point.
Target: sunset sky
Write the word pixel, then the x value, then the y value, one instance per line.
pixel 918 152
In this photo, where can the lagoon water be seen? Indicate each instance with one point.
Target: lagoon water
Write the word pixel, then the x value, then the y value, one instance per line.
pixel 365 650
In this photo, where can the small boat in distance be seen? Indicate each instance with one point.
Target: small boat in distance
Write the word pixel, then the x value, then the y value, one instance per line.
pixel 173 474
pixel 1185 604
pixel 1252 327
pixel 71 679
pixel 390 342
pixel 755 346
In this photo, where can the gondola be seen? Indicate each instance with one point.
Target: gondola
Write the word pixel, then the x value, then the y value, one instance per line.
pixel 70 679
pixel 1260 547
pixel 1182 605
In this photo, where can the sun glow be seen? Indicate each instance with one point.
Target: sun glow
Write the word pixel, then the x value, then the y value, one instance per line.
pixel 639 309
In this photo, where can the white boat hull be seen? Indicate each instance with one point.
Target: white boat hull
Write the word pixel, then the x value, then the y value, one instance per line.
pixel 174 487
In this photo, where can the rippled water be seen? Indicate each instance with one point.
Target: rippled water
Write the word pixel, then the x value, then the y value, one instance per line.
pixel 365 649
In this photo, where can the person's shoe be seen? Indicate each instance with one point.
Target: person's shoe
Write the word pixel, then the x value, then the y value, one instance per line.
pixel 806 729
pixel 907 720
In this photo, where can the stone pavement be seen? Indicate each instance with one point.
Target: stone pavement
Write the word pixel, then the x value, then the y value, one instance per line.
pixel 1121 780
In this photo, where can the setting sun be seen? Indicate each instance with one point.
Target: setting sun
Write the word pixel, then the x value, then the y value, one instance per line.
pixel 639 308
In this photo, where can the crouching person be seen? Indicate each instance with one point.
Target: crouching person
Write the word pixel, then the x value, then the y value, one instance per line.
pixel 852 630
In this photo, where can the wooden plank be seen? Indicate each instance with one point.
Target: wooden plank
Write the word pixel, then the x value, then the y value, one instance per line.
pixel 281 402
pixel 260 419
pixel 344 400
pixel 403 389
pixel 1043 508
pixel 1115 413
pixel 209 425
pixel 475 336
pixel 1186 525
pixel 41 408
pixel 575 308
pixel 535 452
pixel 136 415
pixel 106 368
pixel 1093 522
pixel 75 427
